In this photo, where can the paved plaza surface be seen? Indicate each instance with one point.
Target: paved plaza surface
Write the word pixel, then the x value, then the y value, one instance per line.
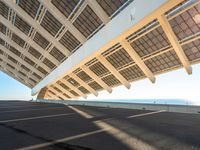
pixel 30 125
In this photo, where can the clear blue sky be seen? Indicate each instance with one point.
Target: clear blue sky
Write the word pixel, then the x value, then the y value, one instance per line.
pixel 173 85
pixel 12 89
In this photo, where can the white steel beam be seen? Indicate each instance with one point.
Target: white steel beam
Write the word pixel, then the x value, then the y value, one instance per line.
pixel 63 20
pixel 96 78
pixel 27 39
pixel 82 83
pixel 98 11
pixel 112 69
pixel 136 58
pixel 73 88
pixel 175 43
pixel 36 25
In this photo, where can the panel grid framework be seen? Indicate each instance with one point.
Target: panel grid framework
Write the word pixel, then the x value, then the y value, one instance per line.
pixel 84 90
pixel 50 23
pixel 3 28
pixel 25 68
pixel 89 63
pixel 29 61
pixel 22 73
pixel 58 90
pixel 4 10
pixel 60 98
pixel 15 51
pixel 84 76
pixel 65 6
pixel 1 52
pixel 151 42
pixel 22 25
pixel 48 63
pixel 132 73
pixel 12 59
pixel 51 92
pixel 192 50
pixel 40 40
pixel 18 40
pixel 57 54
pixel 87 22
pixel 77 70
pixel 74 93
pixel 20 78
pixel 119 58
pixel 143 30
pixel 73 82
pixel 63 85
pixel 184 25
pixel 99 69
pixel 111 80
pixel 176 9
pixel 2 42
pixel 111 49
pixel 69 41
pixel 95 86
pixel 30 6
pixel 111 6
pixel 164 61
pixel 10 66
pixel 66 95
pixel 42 70
pixel 34 52
pixel 37 76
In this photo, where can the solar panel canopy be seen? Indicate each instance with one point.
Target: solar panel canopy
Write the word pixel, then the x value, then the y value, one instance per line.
pixel 39 36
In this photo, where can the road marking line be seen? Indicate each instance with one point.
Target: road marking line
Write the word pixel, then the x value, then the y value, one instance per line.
pixel 30 109
pixel 82 113
pixel 32 118
pixel 127 139
pixel 146 114
pixel 61 140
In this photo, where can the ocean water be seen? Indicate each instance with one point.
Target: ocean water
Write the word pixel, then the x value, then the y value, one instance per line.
pixel 146 101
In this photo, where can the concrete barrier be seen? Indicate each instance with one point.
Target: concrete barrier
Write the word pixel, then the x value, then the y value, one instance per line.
pixel 155 107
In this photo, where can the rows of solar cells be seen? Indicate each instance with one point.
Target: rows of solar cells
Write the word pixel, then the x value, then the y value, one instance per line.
pixel 28 54
pixel 150 43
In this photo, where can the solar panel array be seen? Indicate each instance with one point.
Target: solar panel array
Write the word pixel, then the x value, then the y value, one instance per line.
pixel 34 43
pixel 24 24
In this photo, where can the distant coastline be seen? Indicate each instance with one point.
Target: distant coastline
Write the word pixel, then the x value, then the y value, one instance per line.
pixel 148 101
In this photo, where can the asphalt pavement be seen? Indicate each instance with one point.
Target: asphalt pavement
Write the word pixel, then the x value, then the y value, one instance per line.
pixel 29 125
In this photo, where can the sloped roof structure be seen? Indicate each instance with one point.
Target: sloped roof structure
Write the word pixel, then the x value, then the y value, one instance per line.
pixel 66 49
